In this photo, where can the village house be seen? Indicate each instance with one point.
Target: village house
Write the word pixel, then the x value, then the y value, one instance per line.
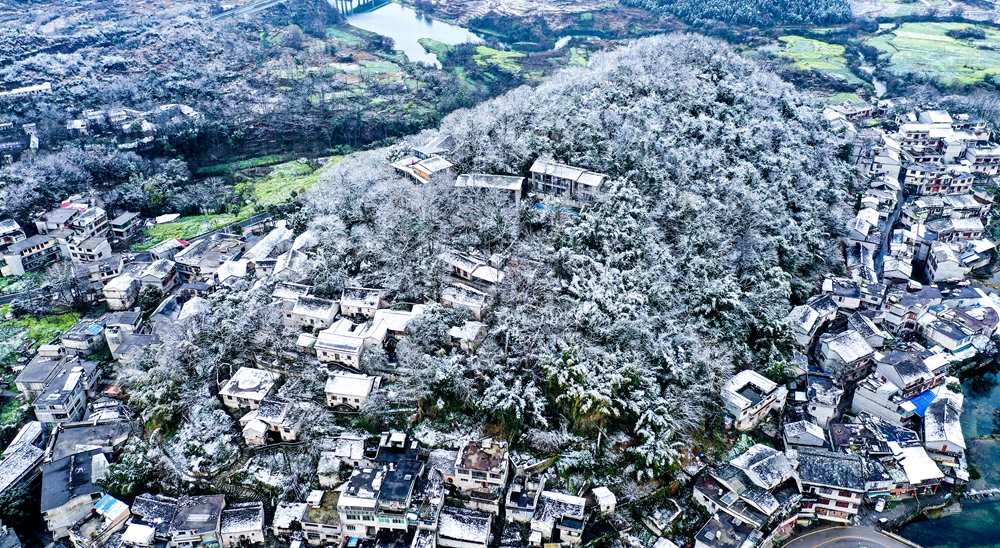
pixel 277 241
pixel 574 186
pixel 560 518
pixel 155 513
pixel 912 372
pixel 312 312
pixel 424 170
pixel 845 355
pixel 468 336
pixel 803 432
pixel 522 496
pixel 39 372
pixel 126 225
pixel 508 186
pixel 482 465
pixel 942 429
pixel 201 259
pixel 360 301
pixel 196 521
pixel 122 292
pixel 10 233
pixel 167 249
pixel 108 516
pixel 749 397
pixel 65 398
pixel 758 487
pixel 395 321
pixel 350 450
pixel 272 415
pixel 350 390
pixel 69 489
pixel 807 319
pixel 832 485
pixel 328 469
pixel 85 337
pixel 161 274
pixel 22 457
pixel 242 524
pixel 344 341
pixel 822 397
pixel 464 296
pixel 91 223
pixel 863 230
pixel 462 528
pixel 29 255
pixel 605 499
pixel 248 388
pixel 55 220
pixel 8 537
pixel 884 400
pixel 473 269
pixel 434 146
pixel 320 519
pixel 725 532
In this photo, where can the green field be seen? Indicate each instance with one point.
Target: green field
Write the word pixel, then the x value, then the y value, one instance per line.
pixel 440 49
pixel 186 228
pixel 504 60
pixel 839 98
pixel 926 49
pixel 277 186
pixel 43 330
pixel 222 169
pixel 809 54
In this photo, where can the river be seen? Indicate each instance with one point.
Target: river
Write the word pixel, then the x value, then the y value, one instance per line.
pixel 405 26
pixel 978 525
pixel 870 70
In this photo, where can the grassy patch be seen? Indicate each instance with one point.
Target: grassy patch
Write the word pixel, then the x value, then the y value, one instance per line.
pixel 440 49
pixel 926 49
pixel 187 228
pixel 11 412
pixel 277 186
pixel 577 58
pixel 504 60
pixel 341 36
pixel 839 98
pixel 809 54
pixel 222 169
pixel 44 329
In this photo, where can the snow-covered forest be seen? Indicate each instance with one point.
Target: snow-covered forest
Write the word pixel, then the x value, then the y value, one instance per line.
pixel 624 319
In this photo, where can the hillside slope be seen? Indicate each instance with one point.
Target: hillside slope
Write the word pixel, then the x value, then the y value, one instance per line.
pixel 726 200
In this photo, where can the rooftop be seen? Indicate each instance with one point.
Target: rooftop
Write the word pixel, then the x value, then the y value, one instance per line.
pixel 836 470
pixel 250 382
pixel 74 476
pixel 464 525
pixel 350 384
pixel 242 517
pixel 200 514
pixel 942 423
pixel 485 455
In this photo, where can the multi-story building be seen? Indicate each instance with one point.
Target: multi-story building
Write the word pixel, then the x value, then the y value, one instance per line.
pixel 196 521
pixel 482 465
pixel 749 397
pixel 832 485
pixel 65 399
pixel 29 255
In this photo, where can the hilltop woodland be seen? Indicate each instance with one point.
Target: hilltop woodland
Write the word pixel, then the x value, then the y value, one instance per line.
pixel 623 320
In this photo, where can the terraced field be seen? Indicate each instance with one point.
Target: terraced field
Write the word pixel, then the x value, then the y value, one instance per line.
pixel 809 54
pixel 926 49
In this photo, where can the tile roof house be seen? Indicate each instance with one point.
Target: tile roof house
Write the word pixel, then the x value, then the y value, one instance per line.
pixel 471 268
pixel 312 312
pixel 560 517
pixel 242 524
pixel 806 320
pixel 461 528
pixel 360 301
pixel 350 390
pixel 942 429
pixel 749 396
pixel 574 186
pixel 248 387
pixel 846 355
pixel 832 485
pixel 272 415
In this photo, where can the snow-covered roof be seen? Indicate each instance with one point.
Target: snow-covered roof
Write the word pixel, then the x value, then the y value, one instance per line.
pixel 275 242
pixel 138 534
pixel 289 291
pixel 463 295
pixel 351 384
pixel 286 513
pixel 250 383
pixel 804 433
pixel 315 307
pixel 553 505
pixel 395 320
pixel 469 331
pixel 18 463
pixel 361 297
pixel 236 269
pixel 746 389
pixel 942 423
pixel 348 447
pixel 849 345
pixel 604 495
pixel 499 182
pixel 242 518
pixel 826 469
pixel 765 466
pixel 919 467
pixel 464 525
